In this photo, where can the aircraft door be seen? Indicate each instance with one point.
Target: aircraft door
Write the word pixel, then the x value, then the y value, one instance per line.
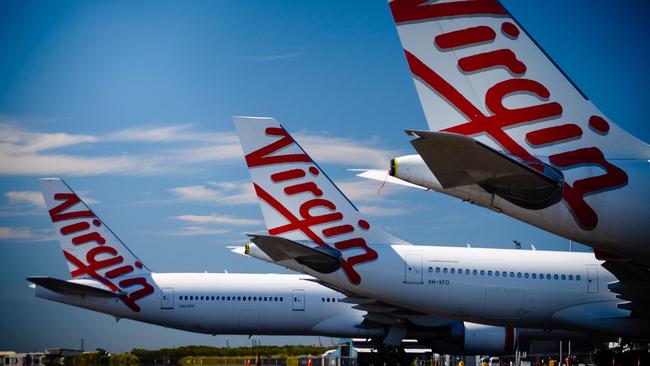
pixel 592 280
pixel 413 268
pixel 167 298
pixel 298 300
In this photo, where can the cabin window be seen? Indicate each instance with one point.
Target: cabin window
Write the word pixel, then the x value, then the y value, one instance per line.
pixel 453 270
pixel 489 273
pixel 563 277
pixel 444 270
pixel 577 277
pixel 555 277
pixel 504 273
pixel 474 272
pixel 548 276
pixel 518 274
pixel 437 269
pixel 570 277
pixel 534 275
pixel 512 274
pixel 526 275
pixel 467 271
pixel 496 273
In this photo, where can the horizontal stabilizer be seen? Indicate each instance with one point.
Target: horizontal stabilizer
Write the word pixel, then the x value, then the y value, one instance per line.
pixel 72 288
pixel 458 160
pixel 318 258
pixel 383 176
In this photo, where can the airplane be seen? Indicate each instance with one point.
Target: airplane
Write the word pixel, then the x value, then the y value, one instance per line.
pixel 109 278
pixel 315 229
pixel 511 132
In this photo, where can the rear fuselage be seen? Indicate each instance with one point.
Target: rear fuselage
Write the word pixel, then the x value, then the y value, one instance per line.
pixel 220 303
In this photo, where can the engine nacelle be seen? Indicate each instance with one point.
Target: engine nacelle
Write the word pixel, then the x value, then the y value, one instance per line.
pixel 413 169
pixel 485 339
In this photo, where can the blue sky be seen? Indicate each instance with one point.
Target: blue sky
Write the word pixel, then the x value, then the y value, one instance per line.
pixel 131 103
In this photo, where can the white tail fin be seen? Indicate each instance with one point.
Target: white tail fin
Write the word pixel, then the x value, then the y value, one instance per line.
pixel 479 74
pixel 299 201
pixel 90 247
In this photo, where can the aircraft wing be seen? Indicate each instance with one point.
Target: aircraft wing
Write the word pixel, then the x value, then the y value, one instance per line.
pixel 633 285
pixel 73 288
pixel 457 160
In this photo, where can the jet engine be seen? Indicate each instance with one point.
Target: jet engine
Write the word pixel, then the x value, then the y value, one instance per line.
pixel 468 339
pixel 485 339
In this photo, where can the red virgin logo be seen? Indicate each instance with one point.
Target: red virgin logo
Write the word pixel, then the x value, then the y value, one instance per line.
pixel 110 268
pixel 501 117
pixel 298 181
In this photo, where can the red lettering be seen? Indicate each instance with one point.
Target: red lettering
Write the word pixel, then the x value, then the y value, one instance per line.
pixel 145 290
pixel 79 226
pixel 260 157
pixel 94 236
pixel 338 230
pixel 287 175
pixel 302 188
pixel 418 10
pixel 368 255
pixel 465 37
pixel 510 30
pixel 614 177
pixel 500 58
pixel 69 200
pixel 553 135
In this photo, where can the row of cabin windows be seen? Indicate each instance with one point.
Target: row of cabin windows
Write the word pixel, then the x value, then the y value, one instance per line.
pixel 329 299
pixel 483 272
pixel 232 298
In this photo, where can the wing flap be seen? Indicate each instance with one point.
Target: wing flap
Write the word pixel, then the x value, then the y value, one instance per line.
pixel 72 288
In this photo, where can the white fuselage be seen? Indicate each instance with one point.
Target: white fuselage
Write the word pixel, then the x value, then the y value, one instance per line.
pixel 222 303
pixel 536 289
pixel 623 214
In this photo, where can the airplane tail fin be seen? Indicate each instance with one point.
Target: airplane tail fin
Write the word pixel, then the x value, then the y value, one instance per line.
pixel 299 201
pixel 479 73
pixel 91 249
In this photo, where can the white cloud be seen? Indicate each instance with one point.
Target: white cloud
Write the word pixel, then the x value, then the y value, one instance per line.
pixel 197 231
pixel 25 142
pixel 221 193
pixel 345 151
pixel 31 197
pixel 27 153
pixel 26 234
pixel 169 133
pixel 175 148
pixel 219 220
